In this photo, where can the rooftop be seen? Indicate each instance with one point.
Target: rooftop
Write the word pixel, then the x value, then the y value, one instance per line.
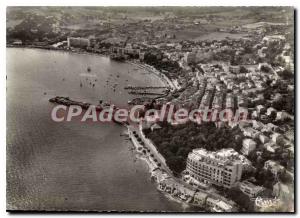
pixel 223 156
pixel 251 185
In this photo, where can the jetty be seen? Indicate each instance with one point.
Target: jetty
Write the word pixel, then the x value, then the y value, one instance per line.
pixel 145 93
pixel 145 87
pixel 68 102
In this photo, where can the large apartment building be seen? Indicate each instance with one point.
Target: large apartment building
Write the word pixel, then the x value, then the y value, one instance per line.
pixel 222 168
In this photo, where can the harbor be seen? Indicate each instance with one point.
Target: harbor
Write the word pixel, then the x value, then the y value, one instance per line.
pixel 96 157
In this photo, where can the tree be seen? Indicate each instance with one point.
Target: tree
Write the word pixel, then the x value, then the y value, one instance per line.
pixel 286 74
pixel 243 69
pixel 265 69
pixel 175 142
pixel 285 177
pixel 176 164
pixel 242 199
pixel 265 178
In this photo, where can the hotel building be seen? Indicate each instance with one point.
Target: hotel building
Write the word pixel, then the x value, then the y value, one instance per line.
pixel 222 168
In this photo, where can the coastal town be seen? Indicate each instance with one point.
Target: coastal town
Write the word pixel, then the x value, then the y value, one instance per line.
pixel 206 62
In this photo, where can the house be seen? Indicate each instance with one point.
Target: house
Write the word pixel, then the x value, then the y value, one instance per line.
pixel 271 147
pixel 274 38
pixel 264 118
pixel 250 132
pixel 248 146
pixel 257 124
pixel 250 189
pixel 244 124
pixel 270 127
pixel 271 111
pixel 168 185
pixel 263 138
pixel 282 115
pixel 254 115
pixel 273 166
pixel 234 69
pixel 291 87
pixel 277 97
pixel 260 109
pixel 217 205
pixel 277 138
pixel 260 84
pixel 200 198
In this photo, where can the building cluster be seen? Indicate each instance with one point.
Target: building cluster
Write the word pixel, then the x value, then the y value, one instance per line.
pixel 195 197
pixel 220 84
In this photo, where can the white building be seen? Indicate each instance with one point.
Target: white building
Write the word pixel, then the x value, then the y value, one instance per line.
pixel 217 205
pixel 274 38
pixel 263 139
pixel 250 132
pixel 248 146
pixel 222 168
pixel 257 125
pixel 282 115
pixel 271 147
pixel 271 111
pixel 260 109
pixel 273 166
pixel 277 138
pixel 270 127
pixel 250 189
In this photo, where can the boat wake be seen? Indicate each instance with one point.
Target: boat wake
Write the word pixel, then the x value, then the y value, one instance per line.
pixel 88 75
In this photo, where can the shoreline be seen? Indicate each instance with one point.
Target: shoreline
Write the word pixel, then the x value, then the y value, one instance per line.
pixel 171 187
pixel 153 168
pixel 161 175
pixel 163 78
pixel 156 72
